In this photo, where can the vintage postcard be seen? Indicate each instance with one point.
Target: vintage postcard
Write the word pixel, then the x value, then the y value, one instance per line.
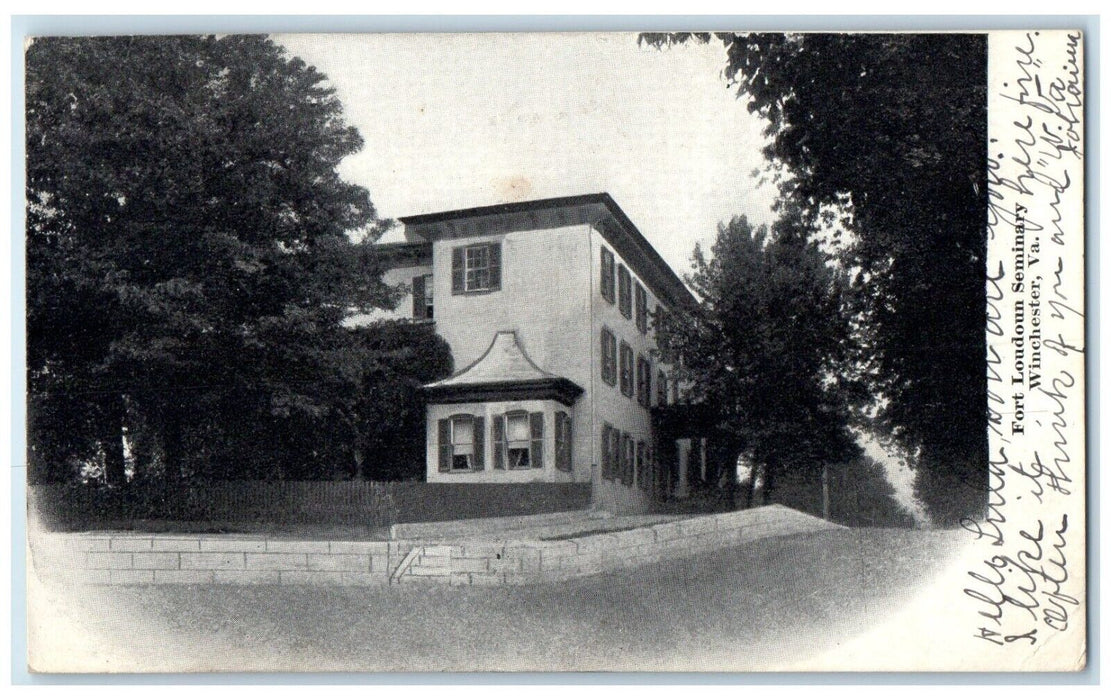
pixel 736 351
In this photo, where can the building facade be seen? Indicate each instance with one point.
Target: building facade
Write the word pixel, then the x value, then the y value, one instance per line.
pixel 548 307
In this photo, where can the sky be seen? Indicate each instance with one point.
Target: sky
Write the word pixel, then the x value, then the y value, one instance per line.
pixel 453 121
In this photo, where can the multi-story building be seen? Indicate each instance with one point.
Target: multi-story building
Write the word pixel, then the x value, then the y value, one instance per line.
pixel 548 307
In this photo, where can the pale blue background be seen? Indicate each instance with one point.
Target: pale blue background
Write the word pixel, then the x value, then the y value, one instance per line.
pixel 24 26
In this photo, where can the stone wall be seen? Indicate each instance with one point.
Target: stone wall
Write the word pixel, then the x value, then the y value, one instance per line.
pixel 215 559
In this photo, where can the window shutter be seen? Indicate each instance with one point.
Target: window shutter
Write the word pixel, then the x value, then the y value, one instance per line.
pixel 642 308
pixel 458 266
pixel 602 338
pixel 495 266
pixel 624 291
pixel 479 443
pixel 626 460
pixel 419 306
pixel 606 452
pixel 499 442
pixel 445 445
pixel 563 441
pixel 536 427
pixel 607 275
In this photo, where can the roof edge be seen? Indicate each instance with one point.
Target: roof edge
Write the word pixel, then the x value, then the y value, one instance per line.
pixel 682 295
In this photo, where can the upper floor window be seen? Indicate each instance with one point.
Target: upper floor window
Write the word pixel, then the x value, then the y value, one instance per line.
pixel 642 308
pixel 626 369
pixel 607 275
pixel 661 389
pixel 422 296
pixel 624 291
pixel 609 357
pixel 476 268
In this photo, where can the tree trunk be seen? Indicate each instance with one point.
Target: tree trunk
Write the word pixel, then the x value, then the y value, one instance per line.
pixel 111 439
pixel 750 491
pixel 825 491
pixel 769 481
pixel 359 462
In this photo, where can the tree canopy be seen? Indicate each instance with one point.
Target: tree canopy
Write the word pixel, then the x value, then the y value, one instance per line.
pixel 882 138
pixel 188 254
pixel 766 346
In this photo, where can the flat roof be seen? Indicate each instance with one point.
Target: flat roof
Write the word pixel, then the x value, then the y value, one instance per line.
pixel 677 289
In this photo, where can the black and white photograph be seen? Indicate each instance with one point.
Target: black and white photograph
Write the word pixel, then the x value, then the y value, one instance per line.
pixel 638 351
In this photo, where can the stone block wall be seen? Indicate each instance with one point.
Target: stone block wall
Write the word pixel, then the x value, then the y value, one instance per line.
pixel 214 559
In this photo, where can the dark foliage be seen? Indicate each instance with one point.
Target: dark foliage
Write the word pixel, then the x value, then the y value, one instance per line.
pixel 301 507
pixel 189 262
pixel 884 137
pixel 765 346
pixel 859 495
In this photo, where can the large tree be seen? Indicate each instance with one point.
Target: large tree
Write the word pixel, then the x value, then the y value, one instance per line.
pixel 765 347
pixel 885 136
pixel 188 256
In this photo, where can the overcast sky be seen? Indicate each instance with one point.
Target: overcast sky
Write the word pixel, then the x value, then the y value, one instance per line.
pixel 466 120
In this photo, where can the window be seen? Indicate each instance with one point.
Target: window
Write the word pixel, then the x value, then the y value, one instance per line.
pixel 661 389
pixel 642 309
pixel 615 454
pixel 644 382
pixel 643 478
pixel 607 275
pixel 608 437
pixel 519 440
pixel 609 357
pixel 627 457
pixel 626 369
pixel 476 268
pixel 422 297
pixel 461 442
pixel 563 441
pixel 624 292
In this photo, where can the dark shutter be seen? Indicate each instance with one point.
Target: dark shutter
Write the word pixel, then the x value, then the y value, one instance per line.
pixel 641 463
pixel 624 291
pixel 445 445
pixel 495 265
pixel 536 427
pixel 499 442
pixel 602 337
pixel 607 275
pixel 642 309
pixel 458 265
pixel 479 443
pixel 605 451
pixel 419 307
pixel 630 447
pixel 563 441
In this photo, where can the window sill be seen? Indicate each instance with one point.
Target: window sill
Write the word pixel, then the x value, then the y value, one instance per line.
pixel 474 292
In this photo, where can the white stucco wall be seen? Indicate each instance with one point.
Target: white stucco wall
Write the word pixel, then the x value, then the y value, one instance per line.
pixel 544 298
pixel 551 297
pixel 623 412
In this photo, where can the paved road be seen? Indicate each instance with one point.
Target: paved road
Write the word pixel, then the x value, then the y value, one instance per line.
pixel 766 604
